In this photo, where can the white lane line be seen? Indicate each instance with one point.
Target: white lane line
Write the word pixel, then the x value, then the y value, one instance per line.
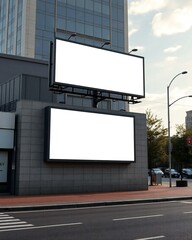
pixel 150 238
pixel 187 202
pixel 40 227
pixel 190 212
pixel 139 217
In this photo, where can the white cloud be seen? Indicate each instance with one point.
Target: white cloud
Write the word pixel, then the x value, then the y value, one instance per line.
pixel 145 6
pixel 140 48
pixel 132 31
pixel 170 59
pixel 155 102
pixel 132 28
pixel 169 23
pixel 172 49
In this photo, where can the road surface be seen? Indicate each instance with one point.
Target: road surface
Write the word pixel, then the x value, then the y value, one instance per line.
pixel 165 220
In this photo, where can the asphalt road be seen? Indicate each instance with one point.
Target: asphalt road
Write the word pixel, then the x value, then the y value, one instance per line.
pixel 168 220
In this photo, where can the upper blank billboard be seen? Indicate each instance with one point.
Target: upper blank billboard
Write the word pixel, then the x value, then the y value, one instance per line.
pixel 89 136
pixel 99 69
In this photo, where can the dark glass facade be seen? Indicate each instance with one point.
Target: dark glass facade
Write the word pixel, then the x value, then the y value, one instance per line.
pixel 11 13
pixel 3 25
pixel 93 21
pixel 39 21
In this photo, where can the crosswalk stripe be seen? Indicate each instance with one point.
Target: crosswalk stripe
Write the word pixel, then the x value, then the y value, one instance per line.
pixel 17 226
pixel 12 223
pixel 2 218
pixel 8 222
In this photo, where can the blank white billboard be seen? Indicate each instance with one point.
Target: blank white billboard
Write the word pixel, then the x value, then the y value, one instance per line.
pixel 88 136
pixel 89 67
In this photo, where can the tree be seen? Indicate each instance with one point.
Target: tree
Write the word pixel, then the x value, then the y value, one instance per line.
pixel 181 150
pixel 156 141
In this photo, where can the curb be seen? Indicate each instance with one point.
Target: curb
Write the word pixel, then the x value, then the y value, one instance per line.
pixel 88 204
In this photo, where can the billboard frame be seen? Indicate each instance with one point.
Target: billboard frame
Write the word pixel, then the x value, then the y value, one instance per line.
pixel 98 94
pixel 88 110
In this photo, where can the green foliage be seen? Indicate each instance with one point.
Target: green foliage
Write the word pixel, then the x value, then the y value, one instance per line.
pixel 156 140
pixel 181 152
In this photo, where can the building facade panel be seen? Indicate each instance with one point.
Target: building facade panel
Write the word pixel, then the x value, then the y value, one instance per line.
pixel 73 177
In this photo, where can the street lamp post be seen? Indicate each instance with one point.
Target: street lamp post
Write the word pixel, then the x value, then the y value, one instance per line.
pixel 168 117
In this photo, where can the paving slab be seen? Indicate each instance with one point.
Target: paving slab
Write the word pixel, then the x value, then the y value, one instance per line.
pixel 154 193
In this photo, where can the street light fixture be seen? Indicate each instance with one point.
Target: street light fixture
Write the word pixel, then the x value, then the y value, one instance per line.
pixel 168 117
pixel 133 50
pixel 105 43
pixel 72 35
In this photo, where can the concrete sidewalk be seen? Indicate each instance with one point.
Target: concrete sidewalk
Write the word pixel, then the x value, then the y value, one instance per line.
pixel 154 193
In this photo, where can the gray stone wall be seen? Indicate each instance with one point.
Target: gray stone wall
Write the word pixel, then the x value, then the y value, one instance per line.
pixel 35 176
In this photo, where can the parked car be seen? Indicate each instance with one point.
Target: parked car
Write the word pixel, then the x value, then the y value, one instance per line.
pixel 174 173
pixel 186 173
pixel 156 171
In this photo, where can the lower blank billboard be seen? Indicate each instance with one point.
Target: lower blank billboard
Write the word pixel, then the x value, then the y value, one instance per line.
pixel 89 136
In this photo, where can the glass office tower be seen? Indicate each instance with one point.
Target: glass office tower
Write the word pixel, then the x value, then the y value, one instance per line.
pixel 28 26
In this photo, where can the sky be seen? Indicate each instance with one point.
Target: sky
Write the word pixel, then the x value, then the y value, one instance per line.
pixel 161 30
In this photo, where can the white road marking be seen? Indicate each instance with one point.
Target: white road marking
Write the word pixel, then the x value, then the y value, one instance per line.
pixel 3 218
pixel 40 227
pixel 12 223
pixel 187 202
pixel 190 212
pixel 8 223
pixel 138 217
pixel 16 226
pixel 9 220
pixel 150 238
